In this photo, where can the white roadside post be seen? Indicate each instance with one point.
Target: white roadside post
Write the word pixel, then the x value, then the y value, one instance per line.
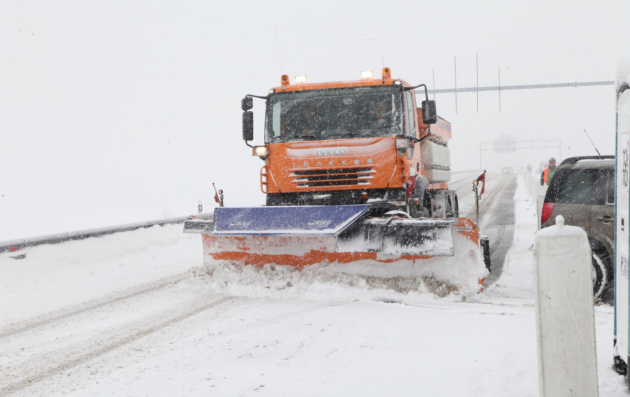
pixel 565 319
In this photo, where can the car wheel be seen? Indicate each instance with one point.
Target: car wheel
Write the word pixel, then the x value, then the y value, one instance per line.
pixel 600 276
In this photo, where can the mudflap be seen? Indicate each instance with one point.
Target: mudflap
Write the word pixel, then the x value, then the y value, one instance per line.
pixel 344 239
pixel 484 243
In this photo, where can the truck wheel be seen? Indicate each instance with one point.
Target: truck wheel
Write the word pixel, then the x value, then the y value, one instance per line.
pixel 600 276
pixel 452 207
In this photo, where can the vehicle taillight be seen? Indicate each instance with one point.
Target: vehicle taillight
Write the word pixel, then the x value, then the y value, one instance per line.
pixel 546 212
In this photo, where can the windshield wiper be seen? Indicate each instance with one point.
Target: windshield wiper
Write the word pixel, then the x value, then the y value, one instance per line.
pixel 302 136
pixel 349 134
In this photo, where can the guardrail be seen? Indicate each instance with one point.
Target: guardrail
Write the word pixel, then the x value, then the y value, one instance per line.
pixel 536 191
pixel 14 245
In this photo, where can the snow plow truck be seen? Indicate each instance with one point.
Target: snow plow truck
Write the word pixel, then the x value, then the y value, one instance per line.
pixel 356 180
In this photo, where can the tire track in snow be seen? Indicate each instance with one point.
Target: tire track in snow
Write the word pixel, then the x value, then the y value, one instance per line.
pixel 93 304
pixel 477 308
pixel 48 365
pixel 498 224
pixel 462 186
pixel 490 199
pixel 58 361
pixel 494 217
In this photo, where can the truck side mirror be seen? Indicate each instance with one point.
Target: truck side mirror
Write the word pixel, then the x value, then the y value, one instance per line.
pixel 429 112
pixel 247 103
pixel 248 125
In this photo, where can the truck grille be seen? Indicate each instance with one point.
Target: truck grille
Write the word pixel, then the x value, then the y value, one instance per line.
pixel 333 177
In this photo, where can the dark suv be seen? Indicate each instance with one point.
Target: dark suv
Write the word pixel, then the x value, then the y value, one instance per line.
pixel 582 190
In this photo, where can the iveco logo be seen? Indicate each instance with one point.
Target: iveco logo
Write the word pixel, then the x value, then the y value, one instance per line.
pixel 334 151
pixel 306 164
pixel 319 223
pixel 240 224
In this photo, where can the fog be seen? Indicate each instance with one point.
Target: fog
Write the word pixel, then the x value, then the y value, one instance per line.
pixel 114 112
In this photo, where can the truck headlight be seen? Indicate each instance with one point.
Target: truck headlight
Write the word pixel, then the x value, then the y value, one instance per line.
pixel 403 143
pixel 260 151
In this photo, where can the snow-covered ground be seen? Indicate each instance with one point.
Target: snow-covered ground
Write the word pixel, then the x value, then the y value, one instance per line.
pixel 136 314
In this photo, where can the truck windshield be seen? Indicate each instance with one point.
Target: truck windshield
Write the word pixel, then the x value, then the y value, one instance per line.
pixel 334 114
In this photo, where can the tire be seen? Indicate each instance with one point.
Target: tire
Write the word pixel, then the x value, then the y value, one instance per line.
pixel 601 276
pixel 453 206
pixel 485 250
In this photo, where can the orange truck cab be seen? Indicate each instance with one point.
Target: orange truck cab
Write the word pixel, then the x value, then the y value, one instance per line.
pixel 354 142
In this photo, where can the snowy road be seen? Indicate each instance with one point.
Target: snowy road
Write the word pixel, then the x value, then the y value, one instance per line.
pixel 132 314
pixel 496 211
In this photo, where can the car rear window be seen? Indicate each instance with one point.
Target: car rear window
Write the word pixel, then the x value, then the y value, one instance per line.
pixel 592 187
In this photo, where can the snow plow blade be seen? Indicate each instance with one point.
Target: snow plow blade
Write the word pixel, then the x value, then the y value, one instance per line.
pixel 346 239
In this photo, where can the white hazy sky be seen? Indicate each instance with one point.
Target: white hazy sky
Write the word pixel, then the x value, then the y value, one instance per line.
pixel 116 111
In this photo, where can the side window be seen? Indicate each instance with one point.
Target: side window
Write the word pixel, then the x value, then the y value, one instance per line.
pixel 591 187
pixel 276 112
pixel 575 187
pixel 599 190
pixel 410 112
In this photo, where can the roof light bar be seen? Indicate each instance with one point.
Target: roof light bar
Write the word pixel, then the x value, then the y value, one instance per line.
pixel 366 74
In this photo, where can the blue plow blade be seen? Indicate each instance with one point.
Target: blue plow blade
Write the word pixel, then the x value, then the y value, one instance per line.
pixel 289 221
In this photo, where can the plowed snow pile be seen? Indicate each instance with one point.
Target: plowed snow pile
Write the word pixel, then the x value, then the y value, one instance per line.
pixel 322 282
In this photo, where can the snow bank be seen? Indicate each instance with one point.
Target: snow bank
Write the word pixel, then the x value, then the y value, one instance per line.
pixel 54 276
pixel 322 282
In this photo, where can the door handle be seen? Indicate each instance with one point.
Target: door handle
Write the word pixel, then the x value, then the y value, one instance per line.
pixel 604 219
